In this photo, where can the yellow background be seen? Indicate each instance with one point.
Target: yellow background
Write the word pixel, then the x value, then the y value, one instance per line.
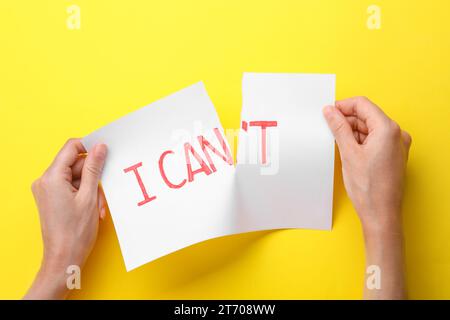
pixel 57 83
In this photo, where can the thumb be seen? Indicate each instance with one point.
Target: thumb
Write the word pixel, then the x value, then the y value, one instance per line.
pixel 340 128
pixel 92 169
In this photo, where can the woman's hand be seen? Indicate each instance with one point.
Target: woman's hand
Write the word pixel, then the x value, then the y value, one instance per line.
pixel 374 151
pixel 70 204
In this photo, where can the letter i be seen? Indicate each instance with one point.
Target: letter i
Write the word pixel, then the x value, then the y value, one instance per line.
pixel 134 168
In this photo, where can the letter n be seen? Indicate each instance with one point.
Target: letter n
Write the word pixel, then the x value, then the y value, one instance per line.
pixel 225 157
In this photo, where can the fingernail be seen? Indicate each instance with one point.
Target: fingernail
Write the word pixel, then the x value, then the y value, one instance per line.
pixel 102 213
pixel 100 151
pixel 327 110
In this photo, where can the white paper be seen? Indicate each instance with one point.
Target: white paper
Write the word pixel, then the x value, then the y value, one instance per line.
pixel 228 200
pixel 294 189
pixel 177 217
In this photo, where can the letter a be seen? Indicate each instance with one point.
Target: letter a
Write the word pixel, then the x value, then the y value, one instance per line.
pixel 203 166
pixel 374 19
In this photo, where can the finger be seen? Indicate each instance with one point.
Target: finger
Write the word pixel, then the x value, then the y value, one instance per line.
pixel 101 203
pixel 357 124
pixel 76 183
pixel 340 128
pixel 363 109
pixel 78 167
pixel 362 138
pixel 68 154
pixel 92 170
pixel 407 140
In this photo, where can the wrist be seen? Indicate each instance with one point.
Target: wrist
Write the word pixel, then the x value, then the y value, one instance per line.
pixel 383 238
pixel 381 222
pixel 385 261
pixel 56 259
pixel 49 284
pixel 382 231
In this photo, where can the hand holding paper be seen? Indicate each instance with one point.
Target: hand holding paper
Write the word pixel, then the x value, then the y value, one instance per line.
pixel 374 152
pixel 67 196
pixel 196 193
